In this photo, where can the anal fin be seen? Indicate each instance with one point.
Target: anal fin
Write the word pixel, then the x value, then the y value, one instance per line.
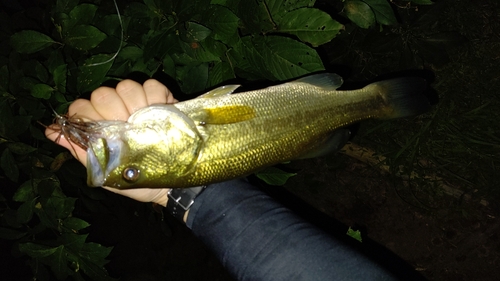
pixel 330 144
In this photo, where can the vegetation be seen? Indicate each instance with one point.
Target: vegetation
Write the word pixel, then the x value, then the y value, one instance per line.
pixel 61 50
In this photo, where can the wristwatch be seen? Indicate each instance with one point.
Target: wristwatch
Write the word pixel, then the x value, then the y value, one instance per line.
pixel 181 199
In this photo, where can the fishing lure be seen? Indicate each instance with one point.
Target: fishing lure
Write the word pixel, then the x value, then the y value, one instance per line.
pixel 74 129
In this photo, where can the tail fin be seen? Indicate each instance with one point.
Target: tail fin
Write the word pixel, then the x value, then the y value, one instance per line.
pixel 404 96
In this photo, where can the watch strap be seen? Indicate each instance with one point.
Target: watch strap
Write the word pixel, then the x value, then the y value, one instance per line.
pixel 181 199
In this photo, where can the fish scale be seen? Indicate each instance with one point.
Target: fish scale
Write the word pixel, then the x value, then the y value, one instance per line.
pixel 220 136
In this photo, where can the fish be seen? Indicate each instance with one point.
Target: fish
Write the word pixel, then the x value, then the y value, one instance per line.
pixel 222 135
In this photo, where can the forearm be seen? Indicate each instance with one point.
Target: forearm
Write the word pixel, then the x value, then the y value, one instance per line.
pixel 258 239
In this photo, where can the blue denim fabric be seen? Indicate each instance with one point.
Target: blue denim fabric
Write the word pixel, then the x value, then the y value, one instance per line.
pixel 257 238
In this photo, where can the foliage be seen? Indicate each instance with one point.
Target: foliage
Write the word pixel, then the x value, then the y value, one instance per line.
pixel 274 176
pixel 356 234
pixel 51 55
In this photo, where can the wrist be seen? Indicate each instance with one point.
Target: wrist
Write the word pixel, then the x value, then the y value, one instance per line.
pixel 180 200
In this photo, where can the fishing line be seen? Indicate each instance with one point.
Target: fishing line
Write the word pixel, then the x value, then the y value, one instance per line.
pixel 121 39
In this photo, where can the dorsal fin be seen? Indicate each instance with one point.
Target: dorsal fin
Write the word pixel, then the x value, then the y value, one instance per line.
pixel 218 92
pixel 327 81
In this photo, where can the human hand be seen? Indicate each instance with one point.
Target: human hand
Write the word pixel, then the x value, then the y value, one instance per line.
pixel 117 104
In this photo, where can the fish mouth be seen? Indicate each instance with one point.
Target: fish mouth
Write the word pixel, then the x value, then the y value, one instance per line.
pixel 103 157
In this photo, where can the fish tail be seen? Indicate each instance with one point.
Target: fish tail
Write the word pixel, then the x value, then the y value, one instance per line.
pixel 404 96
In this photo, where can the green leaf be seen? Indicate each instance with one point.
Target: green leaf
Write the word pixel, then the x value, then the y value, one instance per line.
pixel 84 37
pixel 72 241
pixel 36 133
pixel 283 58
pixel 198 52
pixel 75 224
pixel 356 234
pixel 47 188
pixel 186 10
pixel 91 258
pixel 20 124
pixel 137 10
pixel 255 17
pixel 25 211
pixel 4 83
pixel 422 2
pixel 41 72
pixel 20 148
pixel 11 234
pixel 96 253
pixel 59 207
pixel 146 67
pixel 215 47
pixel 45 219
pixel 310 25
pixel 224 24
pixel 169 66
pixel 25 192
pixel 60 74
pixel 160 43
pixel 131 53
pixel 94 271
pixel 220 72
pixel 37 250
pixel 193 32
pixel 30 41
pixel 278 8
pixel 9 166
pixel 383 11
pixel 359 13
pixel 274 176
pixel 58 263
pixel 55 59
pixel 64 6
pixel 9 216
pixel 193 78
pixel 42 91
pixel 93 73
pixel 110 25
pixel 82 14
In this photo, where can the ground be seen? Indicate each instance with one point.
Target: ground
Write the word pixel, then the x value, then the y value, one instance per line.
pixel 443 220
pixel 442 243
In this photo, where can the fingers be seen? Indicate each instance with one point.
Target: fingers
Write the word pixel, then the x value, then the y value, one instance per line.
pixel 55 135
pixel 156 92
pixel 109 104
pixel 84 109
pixel 132 94
pixel 78 109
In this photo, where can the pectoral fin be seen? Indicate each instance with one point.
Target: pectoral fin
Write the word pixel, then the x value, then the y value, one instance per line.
pixel 329 144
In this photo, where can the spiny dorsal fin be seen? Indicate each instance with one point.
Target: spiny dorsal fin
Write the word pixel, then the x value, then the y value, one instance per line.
pixel 219 92
pixel 327 81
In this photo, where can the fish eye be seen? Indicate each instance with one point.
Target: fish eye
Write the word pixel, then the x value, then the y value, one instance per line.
pixel 131 174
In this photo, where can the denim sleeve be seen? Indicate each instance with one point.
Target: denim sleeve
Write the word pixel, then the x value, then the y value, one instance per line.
pixel 257 238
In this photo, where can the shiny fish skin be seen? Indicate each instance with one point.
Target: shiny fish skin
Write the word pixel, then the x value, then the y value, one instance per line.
pixel 220 136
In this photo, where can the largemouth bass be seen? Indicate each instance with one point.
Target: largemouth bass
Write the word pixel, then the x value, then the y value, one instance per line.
pixel 220 136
